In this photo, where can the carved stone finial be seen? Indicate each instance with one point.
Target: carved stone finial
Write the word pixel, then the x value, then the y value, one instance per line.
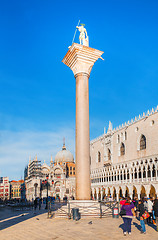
pixel 110 127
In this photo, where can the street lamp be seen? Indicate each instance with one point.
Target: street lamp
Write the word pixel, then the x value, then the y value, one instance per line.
pixel 47 192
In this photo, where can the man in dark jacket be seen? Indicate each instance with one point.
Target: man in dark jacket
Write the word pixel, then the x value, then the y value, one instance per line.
pixel 141 211
pixel 155 208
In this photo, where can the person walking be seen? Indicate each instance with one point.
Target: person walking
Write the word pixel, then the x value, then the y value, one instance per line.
pixel 141 210
pixel 35 203
pixel 155 208
pixel 128 206
pixel 39 204
pixel 150 210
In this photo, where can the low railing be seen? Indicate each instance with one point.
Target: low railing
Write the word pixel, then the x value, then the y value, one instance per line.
pixel 54 206
pixel 93 209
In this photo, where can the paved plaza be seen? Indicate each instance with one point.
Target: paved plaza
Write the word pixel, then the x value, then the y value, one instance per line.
pixel 36 226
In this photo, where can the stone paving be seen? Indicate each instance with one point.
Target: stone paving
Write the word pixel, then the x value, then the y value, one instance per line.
pixel 39 227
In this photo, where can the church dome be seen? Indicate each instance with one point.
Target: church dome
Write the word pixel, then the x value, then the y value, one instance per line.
pixel 64 156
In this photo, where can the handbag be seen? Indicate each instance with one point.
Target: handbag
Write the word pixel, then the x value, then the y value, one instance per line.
pixel 122 212
pixel 145 215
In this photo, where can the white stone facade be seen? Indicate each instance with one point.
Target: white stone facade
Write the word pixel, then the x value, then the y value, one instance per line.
pixel 124 161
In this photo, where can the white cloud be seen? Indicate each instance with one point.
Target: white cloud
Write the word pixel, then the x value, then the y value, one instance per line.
pixel 16 147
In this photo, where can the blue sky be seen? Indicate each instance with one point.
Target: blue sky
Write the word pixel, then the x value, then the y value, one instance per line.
pixel 37 91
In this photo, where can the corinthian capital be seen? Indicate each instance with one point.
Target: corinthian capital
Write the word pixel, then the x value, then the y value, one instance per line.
pixel 80 58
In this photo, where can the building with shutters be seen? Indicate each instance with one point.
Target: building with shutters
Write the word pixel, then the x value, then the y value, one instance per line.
pixel 4 188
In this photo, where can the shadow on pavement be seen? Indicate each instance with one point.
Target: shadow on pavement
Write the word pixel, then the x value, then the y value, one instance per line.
pixel 134 223
pixel 152 226
pixel 9 218
pixel 137 226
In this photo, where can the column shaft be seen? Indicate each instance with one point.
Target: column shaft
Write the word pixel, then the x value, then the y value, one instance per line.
pixel 82 137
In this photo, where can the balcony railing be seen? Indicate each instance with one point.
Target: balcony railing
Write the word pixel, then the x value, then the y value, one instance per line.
pixel 139 180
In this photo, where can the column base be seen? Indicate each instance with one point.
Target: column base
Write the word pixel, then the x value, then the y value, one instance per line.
pixel 87 208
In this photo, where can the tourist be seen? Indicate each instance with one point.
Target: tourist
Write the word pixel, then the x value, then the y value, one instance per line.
pixel 136 205
pixel 150 209
pixel 122 202
pixel 39 204
pixel 141 210
pixel 35 203
pixel 128 206
pixel 155 208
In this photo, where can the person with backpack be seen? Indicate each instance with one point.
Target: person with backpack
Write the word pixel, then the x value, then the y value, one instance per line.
pixel 128 207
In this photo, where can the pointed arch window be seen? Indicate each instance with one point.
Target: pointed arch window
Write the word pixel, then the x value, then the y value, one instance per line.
pixel 99 156
pixel 142 142
pixel 125 135
pixel 122 149
pixel 109 155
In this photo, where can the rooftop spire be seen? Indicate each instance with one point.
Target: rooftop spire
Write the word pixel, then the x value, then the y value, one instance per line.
pixel 64 148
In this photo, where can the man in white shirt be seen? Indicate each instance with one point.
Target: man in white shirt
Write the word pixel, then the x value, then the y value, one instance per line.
pixel 150 210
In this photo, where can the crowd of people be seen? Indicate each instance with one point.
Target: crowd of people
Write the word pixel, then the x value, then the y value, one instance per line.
pixel 146 210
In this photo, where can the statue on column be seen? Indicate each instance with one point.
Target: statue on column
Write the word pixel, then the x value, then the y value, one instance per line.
pixel 84 40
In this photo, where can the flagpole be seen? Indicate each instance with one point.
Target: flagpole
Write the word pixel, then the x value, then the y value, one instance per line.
pixel 75 32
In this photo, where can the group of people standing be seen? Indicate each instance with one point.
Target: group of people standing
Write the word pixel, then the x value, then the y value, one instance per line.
pixel 146 210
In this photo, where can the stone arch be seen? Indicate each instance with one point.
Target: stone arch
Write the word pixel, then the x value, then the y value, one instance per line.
pixel 109 192
pixel 95 194
pixel 122 149
pixel 143 192
pixel 152 191
pixel 124 174
pixel 139 172
pixel 121 175
pixel 98 156
pixel 99 194
pixel 144 172
pixel 114 193
pixel 135 173
pixel 153 170
pixel 128 174
pixel 127 192
pixel 103 189
pixel 57 172
pixel 120 192
pixel 138 141
pixel 142 142
pixel 148 171
pixel 135 194
pixel 109 154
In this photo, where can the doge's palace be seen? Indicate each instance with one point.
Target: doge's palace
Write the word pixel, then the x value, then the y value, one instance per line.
pixel 124 161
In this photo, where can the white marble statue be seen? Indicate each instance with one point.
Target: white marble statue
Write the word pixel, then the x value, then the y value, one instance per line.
pixel 83 35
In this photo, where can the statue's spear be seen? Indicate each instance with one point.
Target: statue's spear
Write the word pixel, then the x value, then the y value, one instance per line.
pixel 75 32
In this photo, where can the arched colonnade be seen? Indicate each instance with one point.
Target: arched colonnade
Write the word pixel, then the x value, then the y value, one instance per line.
pixel 117 192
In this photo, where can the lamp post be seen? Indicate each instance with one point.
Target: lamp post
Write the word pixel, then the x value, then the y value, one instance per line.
pixel 47 192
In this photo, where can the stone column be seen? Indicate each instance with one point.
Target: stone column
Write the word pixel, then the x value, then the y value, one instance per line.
pixel 82 137
pixel 81 59
pixel 97 193
pixel 101 194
